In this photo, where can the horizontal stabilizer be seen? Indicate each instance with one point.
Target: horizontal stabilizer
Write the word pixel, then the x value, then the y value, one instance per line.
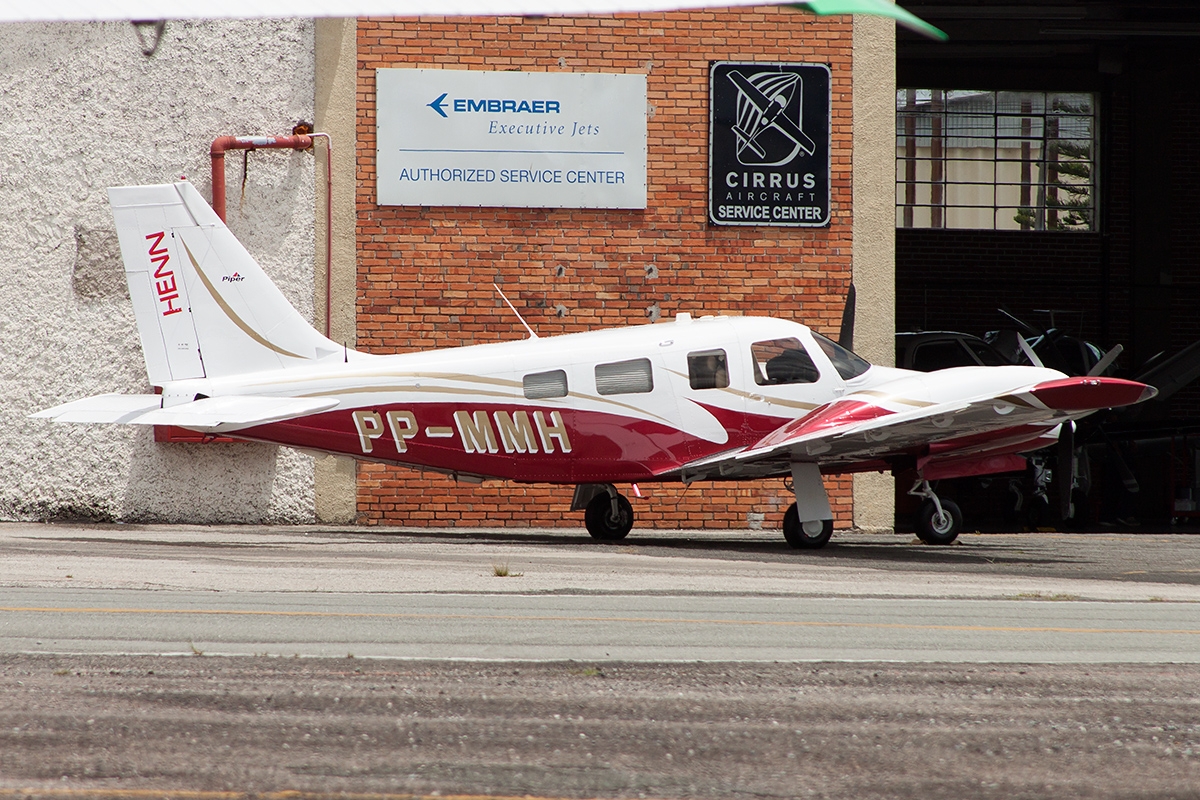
pixel 210 414
pixel 223 414
pixel 103 408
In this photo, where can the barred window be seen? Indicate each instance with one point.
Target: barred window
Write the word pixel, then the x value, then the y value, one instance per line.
pixel 625 377
pixel 995 160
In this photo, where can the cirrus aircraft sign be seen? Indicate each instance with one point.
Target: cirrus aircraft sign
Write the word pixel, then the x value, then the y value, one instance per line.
pixel 769 144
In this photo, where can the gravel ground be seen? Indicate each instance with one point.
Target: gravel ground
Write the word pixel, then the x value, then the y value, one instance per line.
pixel 83 726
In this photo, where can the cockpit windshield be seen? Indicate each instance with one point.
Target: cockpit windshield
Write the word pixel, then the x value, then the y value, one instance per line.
pixel 846 363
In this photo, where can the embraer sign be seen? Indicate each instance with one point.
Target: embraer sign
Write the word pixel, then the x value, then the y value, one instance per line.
pixel 769 144
pixel 511 139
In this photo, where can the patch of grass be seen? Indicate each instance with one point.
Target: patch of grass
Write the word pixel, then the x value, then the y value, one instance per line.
pixel 502 571
pixel 62 672
pixel 196 651
pixel 589 672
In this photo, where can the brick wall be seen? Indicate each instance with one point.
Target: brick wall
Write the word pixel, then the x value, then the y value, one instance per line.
pixel 425 274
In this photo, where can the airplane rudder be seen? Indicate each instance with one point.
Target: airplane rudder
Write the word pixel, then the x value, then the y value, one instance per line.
pixel 145 217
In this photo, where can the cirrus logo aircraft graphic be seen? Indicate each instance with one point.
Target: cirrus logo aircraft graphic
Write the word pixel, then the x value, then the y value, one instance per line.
pixel 768 126
pixel 715 398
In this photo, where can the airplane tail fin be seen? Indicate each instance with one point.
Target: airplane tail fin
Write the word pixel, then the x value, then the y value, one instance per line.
pixel 204 307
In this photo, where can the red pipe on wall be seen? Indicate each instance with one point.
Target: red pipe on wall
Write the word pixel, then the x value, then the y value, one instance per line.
pixel 223 143
pixel 294 142
pixel 170 433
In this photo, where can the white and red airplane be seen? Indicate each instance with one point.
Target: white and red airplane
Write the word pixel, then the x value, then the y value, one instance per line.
pixel 714 398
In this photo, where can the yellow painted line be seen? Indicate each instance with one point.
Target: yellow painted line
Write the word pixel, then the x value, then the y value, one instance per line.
pixel 173 794
pixel 904 626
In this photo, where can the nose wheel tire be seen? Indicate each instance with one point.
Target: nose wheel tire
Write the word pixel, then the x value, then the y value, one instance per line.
pixel 935 528
pixel 605 525
pixel 805 535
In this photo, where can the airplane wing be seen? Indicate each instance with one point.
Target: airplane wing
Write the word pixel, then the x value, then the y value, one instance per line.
pixel 867 427
pixel 209 414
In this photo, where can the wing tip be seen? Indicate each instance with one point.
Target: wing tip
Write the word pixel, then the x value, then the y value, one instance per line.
pixel 1091 393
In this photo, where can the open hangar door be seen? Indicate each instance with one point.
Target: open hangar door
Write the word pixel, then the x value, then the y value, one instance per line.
pixel 1047 164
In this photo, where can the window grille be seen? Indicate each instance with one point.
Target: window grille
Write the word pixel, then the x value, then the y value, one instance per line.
pixel 625 377
pixel 995 160
pixel 541 385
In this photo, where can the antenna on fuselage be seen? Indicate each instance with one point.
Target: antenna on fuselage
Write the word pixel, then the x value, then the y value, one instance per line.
pixel 532 335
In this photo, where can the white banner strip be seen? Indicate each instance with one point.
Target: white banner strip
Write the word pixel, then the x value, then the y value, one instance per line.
pixel 90 10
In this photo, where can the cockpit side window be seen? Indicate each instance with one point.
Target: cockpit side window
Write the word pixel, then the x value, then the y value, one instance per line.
pixel 779 361
pixel 707 369
pixel 846 363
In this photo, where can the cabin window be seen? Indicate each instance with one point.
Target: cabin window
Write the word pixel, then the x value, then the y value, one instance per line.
pixel 846 363
pixel 778 361
pixel 625 377
pixel 707 370
pixel 541 385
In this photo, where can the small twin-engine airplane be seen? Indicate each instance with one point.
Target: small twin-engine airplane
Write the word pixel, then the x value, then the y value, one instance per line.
pixel 714 398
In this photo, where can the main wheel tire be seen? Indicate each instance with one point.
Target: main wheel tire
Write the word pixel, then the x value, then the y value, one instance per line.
pixel 933 528
pixel 816 535
pixel 600 522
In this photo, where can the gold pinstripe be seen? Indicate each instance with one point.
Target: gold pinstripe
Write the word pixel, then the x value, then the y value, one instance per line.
pixel 229 312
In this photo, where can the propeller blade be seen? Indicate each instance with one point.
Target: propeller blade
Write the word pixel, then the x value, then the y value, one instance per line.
pixel 1065 472
pixel 1028 329
pixel 1028 351
pixel 1104 363
pixel 846 334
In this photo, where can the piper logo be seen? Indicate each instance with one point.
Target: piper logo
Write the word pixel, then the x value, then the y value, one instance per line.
pixel 460 105
pixel 234 278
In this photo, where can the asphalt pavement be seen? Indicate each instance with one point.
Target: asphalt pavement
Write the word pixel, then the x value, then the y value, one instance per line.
pixel 238 662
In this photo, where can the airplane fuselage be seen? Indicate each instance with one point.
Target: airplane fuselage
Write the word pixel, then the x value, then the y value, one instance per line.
pixel 597 407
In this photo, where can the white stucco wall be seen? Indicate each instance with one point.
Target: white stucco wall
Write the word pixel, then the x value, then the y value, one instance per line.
pixel 82 109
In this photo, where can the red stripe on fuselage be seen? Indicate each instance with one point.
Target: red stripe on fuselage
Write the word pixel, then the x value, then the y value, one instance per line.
pixel 604 447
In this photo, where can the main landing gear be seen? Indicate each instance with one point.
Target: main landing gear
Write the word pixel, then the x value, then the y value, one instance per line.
pixel 808 535
pixel 939 521
pixel 607 514
pixel 808 523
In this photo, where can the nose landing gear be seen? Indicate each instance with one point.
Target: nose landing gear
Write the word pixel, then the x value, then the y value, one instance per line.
pixel 939 521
